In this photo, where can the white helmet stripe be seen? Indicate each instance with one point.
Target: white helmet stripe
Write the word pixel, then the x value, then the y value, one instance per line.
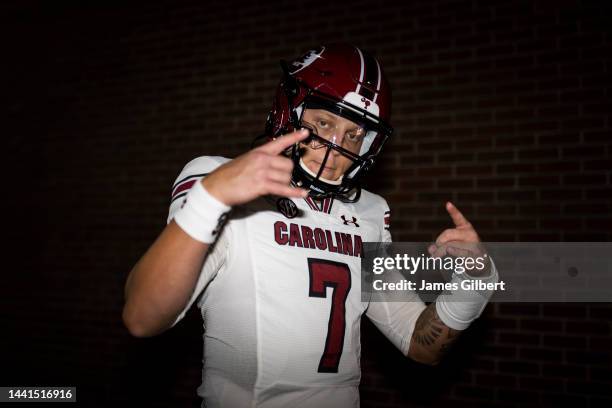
pixel 378 84
pixel 362 70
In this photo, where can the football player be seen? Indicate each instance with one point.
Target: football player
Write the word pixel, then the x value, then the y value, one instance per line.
pixel 269 246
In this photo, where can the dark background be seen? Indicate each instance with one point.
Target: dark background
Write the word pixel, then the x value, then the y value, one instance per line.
pixel 501 106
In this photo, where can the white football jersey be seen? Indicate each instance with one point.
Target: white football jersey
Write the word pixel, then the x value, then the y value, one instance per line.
pixel 281 302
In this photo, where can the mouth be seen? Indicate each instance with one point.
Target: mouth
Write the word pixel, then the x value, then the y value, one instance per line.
pixel 327 174
pixel 326 168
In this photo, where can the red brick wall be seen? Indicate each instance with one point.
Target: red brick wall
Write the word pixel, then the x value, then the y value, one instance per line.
pixel 501 106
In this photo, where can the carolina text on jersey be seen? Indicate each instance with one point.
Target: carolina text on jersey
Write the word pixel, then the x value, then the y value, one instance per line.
pixel 303 236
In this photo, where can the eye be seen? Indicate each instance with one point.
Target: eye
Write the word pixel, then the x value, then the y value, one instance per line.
pixel 355 136
pixel 322 123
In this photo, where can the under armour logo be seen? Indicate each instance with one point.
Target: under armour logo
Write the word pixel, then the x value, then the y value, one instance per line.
pixel 366 102
pixel 347 222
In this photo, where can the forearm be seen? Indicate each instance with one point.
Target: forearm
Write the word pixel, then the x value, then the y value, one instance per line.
pixel 440 324
pixel 161 284
pixel 431 337
pixel 162 281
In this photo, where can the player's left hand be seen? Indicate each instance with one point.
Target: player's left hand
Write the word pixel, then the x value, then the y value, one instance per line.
pixel 461 241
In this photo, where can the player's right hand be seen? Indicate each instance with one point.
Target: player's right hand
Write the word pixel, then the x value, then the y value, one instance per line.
pixel 259 172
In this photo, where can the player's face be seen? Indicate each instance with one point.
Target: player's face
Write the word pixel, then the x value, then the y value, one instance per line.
pixel 336 129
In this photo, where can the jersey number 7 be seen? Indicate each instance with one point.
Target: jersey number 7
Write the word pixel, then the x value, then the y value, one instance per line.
pixel 324 274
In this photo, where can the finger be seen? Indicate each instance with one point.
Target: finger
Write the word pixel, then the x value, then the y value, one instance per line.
pixel 281 177
pixel 440 251
pixel 436 250
pixel 279 144
pixel 456 215
pixel 287 191
pixel 456 251
pixel 431 249
pixel 281 163
pixel 450 234
pixel 471 247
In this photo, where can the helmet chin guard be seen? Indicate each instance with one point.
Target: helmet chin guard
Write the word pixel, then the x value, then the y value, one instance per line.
pixel 323 179
pixel 349 83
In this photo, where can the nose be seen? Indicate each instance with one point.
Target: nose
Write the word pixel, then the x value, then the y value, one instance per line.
pixel 337 138
pixel 338 141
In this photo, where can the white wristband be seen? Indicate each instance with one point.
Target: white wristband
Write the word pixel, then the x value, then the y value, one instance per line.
pixel 202 215
pixel 458 308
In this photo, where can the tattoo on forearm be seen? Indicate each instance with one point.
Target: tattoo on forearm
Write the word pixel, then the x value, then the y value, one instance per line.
pixel 431 333
pixel 427 330
pixel 450 340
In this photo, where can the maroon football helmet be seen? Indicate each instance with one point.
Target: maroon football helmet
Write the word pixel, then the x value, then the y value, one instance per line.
pixel 348 82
